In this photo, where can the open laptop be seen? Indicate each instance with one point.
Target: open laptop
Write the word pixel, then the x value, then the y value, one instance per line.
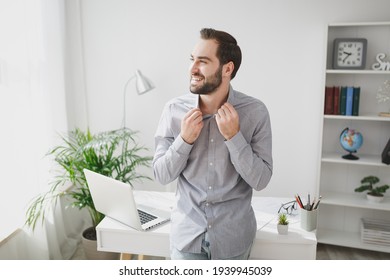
pixel 115 199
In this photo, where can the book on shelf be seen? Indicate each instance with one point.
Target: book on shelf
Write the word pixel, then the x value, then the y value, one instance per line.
pixel 344 100
pixel 356 100
pixel 336 100
pixel 329 104
pixel 349 102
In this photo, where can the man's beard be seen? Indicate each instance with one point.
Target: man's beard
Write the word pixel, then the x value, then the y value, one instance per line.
pixel 212 83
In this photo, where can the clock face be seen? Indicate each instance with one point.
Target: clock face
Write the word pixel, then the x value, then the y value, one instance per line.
pixel 349 53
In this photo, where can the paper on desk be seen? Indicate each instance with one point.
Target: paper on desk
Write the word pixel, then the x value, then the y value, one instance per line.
pixel 264 219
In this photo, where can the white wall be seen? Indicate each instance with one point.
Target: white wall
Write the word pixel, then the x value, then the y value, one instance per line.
pixel 283 44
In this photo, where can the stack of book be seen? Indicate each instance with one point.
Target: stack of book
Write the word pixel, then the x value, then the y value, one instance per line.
pixel 374 231
pixel 342 100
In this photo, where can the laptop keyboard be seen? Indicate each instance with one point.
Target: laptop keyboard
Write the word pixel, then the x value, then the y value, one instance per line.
pixel 145 217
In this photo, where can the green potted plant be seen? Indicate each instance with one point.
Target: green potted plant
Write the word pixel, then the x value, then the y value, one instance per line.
pixel 114 153
pixel 283 222
pixel 374 193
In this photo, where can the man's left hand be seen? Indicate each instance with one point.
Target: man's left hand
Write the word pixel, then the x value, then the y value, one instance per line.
pixel 228 121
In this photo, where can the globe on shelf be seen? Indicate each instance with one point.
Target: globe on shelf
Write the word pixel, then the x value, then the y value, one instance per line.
pixel 351 141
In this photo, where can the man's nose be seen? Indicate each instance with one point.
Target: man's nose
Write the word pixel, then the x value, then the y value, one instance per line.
pixel 194 68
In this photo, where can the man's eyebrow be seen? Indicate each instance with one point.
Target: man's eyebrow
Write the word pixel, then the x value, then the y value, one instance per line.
pixel 202 57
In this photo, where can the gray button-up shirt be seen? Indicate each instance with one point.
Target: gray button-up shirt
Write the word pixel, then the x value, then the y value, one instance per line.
pixel 215 176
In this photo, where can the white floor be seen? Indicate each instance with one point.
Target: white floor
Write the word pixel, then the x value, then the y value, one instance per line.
pixel 324 252
pixel 331 252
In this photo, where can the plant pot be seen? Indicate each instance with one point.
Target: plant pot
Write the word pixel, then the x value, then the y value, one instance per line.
pixel 374 198
pixel 282 229
pixel 89 242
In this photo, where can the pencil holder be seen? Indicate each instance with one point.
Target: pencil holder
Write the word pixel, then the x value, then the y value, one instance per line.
pixel 308 219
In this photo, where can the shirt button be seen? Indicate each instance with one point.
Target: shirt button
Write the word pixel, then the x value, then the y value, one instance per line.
pixel 209 226
pixel 212 140
pixel 207 204
pixel 211 163
pixel 210 187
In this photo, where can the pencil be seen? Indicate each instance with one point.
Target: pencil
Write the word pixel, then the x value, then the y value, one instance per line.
pixel 318 202
pixel 299 201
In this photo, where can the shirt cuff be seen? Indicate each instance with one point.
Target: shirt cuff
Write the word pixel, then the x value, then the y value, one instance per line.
pixel 236 143
pixel 181 147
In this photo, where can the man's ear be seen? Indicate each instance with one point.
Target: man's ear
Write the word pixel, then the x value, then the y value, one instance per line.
pixel 228 69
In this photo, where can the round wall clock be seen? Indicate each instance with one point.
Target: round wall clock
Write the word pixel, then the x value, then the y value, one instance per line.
pixel 349 53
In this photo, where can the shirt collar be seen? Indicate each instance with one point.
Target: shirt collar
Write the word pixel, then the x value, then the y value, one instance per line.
pixel 231 95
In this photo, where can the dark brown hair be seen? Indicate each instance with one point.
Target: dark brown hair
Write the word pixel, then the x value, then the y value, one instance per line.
pixel 228 50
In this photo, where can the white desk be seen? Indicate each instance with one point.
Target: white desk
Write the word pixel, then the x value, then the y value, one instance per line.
pixel 113 236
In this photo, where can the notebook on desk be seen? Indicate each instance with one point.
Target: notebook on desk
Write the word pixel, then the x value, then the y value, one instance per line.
pixel 115 199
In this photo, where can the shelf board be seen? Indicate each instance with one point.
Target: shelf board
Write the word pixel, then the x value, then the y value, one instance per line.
pixel 370 117
pixel 355 200
pixel 354 72
pixel 353 24
pixel 348 239
pixel 371 160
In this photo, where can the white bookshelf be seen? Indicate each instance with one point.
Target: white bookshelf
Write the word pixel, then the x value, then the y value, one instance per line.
pixel 342 209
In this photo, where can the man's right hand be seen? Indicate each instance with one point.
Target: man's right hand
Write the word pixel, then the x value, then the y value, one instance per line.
pixel 191 125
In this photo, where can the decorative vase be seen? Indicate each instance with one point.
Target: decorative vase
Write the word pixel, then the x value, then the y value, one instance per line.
pixel 90 247
pixel 282 229
pixel 374 198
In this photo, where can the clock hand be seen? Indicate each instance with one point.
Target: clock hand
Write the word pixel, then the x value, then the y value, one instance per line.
pixel 348 54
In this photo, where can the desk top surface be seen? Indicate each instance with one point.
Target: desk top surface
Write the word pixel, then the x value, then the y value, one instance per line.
pixel 265 209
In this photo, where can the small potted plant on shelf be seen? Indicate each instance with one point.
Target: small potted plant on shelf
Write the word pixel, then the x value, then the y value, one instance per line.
pixel 114 154
pixel 373 193
pixel 282 223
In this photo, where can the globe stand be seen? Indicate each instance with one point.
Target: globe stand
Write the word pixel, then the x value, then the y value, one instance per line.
pixel 350 156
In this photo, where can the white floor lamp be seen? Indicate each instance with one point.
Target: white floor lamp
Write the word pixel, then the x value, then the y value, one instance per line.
pixel 142 85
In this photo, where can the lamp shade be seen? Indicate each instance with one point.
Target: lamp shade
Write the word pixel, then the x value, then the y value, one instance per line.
pixel 143 84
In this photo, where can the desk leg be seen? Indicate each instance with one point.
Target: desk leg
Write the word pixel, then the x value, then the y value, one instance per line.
pixel 125 256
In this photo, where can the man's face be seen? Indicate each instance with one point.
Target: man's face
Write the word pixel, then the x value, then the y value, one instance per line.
pixel 205 69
